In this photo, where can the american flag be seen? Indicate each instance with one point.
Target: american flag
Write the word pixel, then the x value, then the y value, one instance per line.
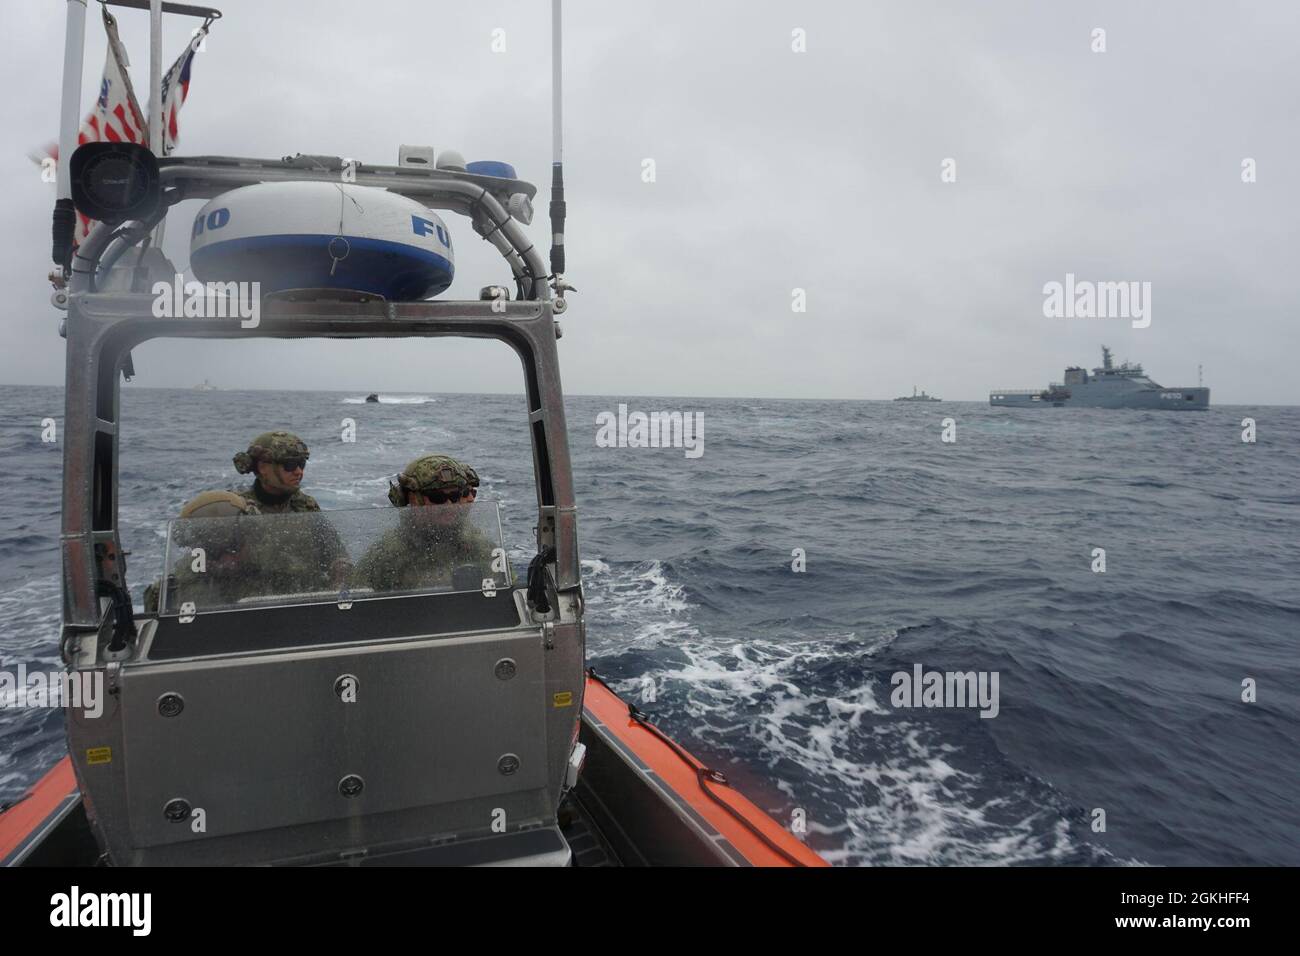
pixel 116 116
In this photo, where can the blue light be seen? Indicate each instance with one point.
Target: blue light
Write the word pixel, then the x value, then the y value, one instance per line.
pixel 490 167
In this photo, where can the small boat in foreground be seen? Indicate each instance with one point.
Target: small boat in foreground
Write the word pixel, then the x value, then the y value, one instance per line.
pixel 245 720
pixel 641 800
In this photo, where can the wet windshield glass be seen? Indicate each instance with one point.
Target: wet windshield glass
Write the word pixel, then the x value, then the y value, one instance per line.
pixel 318 557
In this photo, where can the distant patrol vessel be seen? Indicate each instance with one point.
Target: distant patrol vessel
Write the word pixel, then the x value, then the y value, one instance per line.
pixel 914 397
pixel 1109 386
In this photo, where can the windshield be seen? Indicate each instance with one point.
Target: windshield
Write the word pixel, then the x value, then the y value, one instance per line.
pixel 340 556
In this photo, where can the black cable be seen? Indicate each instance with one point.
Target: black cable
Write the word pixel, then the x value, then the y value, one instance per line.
pixel 537 580
pixel 123 614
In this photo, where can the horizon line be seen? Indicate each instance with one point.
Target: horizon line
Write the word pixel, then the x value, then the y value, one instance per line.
pixel 764 398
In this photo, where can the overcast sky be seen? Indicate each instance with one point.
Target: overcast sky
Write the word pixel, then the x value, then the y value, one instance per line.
pixel 776 170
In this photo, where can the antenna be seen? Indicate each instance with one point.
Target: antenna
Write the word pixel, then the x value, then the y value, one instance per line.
pixel 1199 379
pixel 558 206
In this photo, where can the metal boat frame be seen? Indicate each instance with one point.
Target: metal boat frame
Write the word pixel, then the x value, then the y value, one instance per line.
pixel 103 327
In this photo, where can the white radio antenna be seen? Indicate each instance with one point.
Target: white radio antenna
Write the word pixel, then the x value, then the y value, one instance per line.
pixel 558 207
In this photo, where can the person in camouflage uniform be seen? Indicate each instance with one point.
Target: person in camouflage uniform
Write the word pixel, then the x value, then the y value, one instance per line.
pixel 433 536
pixel 227 560
pixel 311 555
pixel 276 460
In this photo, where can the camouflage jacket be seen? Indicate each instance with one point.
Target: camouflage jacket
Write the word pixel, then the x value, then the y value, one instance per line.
pixel 283 560
pixel 286 556
pixel 207 591
pixel 406 558
pixel 317 546
pixel 276 505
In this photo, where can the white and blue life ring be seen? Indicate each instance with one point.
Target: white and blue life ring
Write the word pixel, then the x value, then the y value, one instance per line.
pixel 317 235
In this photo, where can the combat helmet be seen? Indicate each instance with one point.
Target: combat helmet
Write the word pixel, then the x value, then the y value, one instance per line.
pixel 219 536
pixel 432 473
pixel 273 447
pixel 218 504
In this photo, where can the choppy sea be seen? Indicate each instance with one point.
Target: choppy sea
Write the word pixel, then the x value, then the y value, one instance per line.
pixel 1119 691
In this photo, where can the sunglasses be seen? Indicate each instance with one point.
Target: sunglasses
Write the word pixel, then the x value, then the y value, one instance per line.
pixel 292 464
pixel 442 497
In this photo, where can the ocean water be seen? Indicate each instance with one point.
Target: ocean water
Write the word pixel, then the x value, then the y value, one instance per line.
pixel 1118 691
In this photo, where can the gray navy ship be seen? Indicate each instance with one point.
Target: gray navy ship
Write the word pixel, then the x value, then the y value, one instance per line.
pixel 1109 386
pixel 914 397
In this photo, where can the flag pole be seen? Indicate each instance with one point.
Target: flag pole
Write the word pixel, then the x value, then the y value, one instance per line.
pixel 74 48
pixel 155 97
pixel 155 76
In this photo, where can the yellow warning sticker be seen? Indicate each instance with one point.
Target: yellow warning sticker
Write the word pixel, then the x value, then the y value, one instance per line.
pixel 563 699
pixel 99 755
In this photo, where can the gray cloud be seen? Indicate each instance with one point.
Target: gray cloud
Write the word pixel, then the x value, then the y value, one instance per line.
pixel 775 170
